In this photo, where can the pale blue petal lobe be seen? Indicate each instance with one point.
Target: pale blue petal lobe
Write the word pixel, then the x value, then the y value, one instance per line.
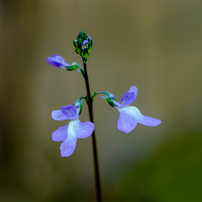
pixel 139 117
pixel 60 134
pixel 126 122
pixel 57 115
pixel 70 112
pixel 84 130
pixel 134 90
pixel 68 146
pixel 149 121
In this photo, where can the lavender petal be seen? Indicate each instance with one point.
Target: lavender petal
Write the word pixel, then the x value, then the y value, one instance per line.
pixel 70 112
pixel 84 130
pixel 57 115
pixel 68 146
pixel 139 117
pixel 126 122
pixel 129 97
pixel 149 121
pixel 133 89
pixel 60 134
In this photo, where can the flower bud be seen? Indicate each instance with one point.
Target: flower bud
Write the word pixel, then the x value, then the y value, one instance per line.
pixel 57 61
pixel 83 45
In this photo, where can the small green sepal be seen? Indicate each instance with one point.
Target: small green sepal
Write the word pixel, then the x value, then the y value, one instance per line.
pixel 78 104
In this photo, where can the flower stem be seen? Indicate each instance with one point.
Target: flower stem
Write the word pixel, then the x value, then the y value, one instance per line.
pixel 95 156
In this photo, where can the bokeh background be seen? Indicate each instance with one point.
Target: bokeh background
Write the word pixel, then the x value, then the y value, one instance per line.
pixel 155 45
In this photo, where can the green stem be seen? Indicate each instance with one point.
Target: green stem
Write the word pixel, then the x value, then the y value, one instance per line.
pixel 95 156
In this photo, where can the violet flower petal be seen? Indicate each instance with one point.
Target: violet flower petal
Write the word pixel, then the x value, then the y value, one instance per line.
pixel 129 97
pixel 84 130
pixel 70 112
pixel 57 115
pixel 126 122
pixel 60 134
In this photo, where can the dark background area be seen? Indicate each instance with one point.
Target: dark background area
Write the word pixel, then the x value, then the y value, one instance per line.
pixel 155 45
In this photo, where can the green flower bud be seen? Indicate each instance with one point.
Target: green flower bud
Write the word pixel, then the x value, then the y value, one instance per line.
pixel 83 45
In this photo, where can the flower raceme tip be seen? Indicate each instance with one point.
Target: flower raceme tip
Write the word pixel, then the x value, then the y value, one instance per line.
pixel 70 132
pixel 130 115
pixel 83 45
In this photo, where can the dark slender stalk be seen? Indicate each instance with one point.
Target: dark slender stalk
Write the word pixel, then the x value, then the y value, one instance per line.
pixel 95 156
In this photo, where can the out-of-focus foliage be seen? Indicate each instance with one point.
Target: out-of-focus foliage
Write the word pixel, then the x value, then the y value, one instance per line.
pixel 173 173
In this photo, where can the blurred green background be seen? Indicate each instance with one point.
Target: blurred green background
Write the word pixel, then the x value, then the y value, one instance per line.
pixel 155 45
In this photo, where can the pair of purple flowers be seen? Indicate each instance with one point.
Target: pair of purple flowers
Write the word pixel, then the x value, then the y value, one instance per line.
pixel 128 119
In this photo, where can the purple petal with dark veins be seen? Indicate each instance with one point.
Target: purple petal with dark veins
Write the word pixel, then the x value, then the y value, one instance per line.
pixel 129 97
pixel 70 112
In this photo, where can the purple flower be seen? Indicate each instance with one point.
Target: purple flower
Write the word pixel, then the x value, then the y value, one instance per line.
pixel 69 133
pixel 131 115
pixel 57 61
pixel 60 62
